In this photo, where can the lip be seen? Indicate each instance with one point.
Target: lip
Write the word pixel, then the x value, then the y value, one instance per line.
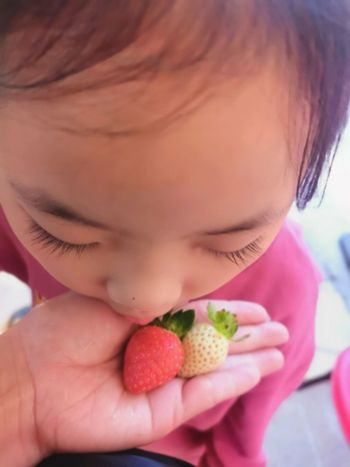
pixel 138 321
pixel 125 314
pixel 141 321
pixel 144 321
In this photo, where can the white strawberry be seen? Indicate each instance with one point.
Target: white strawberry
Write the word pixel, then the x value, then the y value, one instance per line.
pixel 206 345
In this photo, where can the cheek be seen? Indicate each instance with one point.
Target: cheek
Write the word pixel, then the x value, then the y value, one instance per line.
pixel 211 272
pixel 271 232
pixel 214 272
pixel 206 281
pixel 76 273
pixel 17 221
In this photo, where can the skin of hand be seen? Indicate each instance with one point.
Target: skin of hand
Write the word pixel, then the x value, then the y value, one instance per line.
pixel 64 391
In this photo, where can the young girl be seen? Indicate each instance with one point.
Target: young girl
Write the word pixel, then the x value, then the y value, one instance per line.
pixel 149 154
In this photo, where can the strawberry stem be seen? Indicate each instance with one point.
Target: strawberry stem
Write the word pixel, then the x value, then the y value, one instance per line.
pixel 243 338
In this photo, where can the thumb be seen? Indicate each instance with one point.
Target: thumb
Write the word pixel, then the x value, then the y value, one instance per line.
pixel 84 329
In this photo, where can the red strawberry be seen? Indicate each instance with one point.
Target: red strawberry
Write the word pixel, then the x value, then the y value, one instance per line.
pixel 154 354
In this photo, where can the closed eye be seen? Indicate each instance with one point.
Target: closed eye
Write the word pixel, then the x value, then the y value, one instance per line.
pixel 53 244
pixel 242 256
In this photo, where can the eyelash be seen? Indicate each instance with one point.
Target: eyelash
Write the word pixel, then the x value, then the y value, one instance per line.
pixel 53 244
pixel 242 256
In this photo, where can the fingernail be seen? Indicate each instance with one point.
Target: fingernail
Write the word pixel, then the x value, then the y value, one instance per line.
pixel 263 311
pixel 285 334
pixel 251 372
pixel 278 358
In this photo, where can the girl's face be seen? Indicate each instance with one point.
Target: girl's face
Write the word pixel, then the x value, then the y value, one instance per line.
pixel 149 221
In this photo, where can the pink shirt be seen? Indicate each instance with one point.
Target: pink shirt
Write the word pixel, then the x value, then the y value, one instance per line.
pixel 285 281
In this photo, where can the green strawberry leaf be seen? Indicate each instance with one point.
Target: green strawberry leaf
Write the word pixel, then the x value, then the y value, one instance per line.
pixel 179 323
pixel 166 320
pixel 211 312
pixel 223 321
pixel 159 321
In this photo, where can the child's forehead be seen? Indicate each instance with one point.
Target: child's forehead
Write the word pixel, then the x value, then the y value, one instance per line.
pixel 64 50
pixel 231 148
pixel 148 106
pixel 241 119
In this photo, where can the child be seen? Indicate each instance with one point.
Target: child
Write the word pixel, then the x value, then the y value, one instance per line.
pixel 149 154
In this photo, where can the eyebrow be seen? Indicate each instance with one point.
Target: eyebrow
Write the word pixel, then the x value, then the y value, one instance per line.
pixel 41 201
pixel 261 220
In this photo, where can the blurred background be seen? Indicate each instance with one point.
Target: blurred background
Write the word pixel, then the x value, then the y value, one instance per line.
pixel 305 431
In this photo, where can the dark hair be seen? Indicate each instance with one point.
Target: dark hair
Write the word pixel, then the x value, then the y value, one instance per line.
pixel 43 43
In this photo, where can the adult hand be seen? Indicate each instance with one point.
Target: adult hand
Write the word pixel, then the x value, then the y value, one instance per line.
pixel 61 368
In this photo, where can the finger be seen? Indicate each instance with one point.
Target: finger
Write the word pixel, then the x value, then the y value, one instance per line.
pixel 268 334
pixel 246 312
pixel 185 399
pixel 204 392
pixel 266 361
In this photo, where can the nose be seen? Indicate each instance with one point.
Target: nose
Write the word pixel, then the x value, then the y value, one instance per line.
pixel 146 297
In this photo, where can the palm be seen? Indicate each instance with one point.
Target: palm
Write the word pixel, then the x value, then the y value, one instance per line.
pixel 74 351
pixel 94 412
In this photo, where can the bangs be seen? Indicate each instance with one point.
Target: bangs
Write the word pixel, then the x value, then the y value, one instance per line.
pixel 46 49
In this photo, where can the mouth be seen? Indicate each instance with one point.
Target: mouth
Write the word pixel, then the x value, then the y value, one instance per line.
pixel 141 319
pixel 128 315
